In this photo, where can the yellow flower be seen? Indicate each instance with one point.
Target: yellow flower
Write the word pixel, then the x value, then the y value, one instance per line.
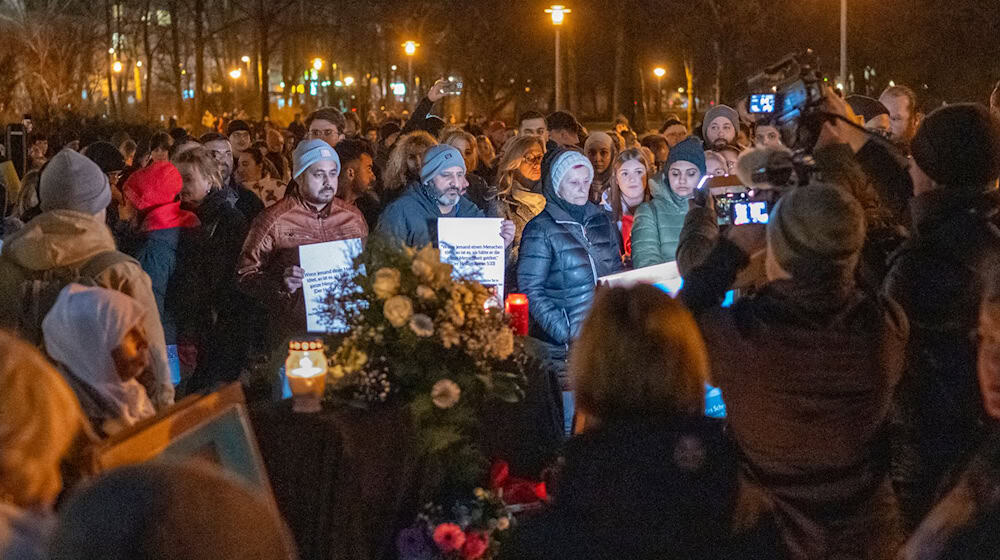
pixel 423 270
pixel 449 335
pixel 398 310
pixel 455 313
pixel 503 344
pixel 386 282
pixel 445 393
pixel 423 292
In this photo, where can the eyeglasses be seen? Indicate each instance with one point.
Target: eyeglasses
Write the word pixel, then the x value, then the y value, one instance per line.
pixel 324 133
pixel 533 160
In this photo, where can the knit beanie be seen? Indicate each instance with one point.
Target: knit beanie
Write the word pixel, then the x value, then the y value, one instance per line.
pixel 598 139
pixel 73 182
pixel 437 159
pixel 866 107
pixel 106 156
pixel 566 161
pixel 959 146
pixel 690 150
pixel 720 111
pixel 816 230
pixel 153 186
pixel 236 126
pixel 309 152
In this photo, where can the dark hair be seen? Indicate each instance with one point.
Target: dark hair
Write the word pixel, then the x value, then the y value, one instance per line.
pixel 179 135
pixel 211 137
pixel 529 115
pixel 159 141
pixel 37 137
pixel 669 123
pixel 653 141
pixel 351 149
pixel 353 117
pixel 562 120
pixel 328 114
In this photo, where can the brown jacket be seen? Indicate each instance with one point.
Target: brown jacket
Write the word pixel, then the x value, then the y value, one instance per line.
pixel 272 246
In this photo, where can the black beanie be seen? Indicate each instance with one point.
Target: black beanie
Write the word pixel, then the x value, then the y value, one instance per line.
pixel 236 126
pixel 959 146
pixel 106 156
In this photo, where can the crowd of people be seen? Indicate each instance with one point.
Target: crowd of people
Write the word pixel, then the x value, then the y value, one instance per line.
pixel 859 363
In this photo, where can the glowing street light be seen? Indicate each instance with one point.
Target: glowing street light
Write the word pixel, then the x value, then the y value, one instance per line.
pixel 348 81
pixel 235 73
pixel 245 59
pixel 117 67
pixel 317 64
pixel 138 64
pixel 558 13
pixel 659 72
pixel 410 48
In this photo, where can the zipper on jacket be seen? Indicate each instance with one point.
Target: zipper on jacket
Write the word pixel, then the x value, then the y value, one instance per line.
pixel 593 267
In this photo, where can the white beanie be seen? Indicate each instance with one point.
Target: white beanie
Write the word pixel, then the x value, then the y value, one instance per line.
pixel 568 160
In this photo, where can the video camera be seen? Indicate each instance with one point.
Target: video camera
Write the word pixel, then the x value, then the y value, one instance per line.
pixel 789 95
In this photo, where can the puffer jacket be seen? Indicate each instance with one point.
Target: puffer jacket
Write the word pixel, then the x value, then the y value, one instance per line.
pixel 272 245
pixel 658 225
pixel 412 218
pixel 560 260
pixel 66 239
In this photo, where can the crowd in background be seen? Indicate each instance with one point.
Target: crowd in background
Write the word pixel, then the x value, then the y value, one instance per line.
pixel 859 364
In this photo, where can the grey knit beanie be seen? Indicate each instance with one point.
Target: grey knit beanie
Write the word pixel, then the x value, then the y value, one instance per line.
pixel 568 160
pixel 71 181
pixel 816 229
pixel 720 111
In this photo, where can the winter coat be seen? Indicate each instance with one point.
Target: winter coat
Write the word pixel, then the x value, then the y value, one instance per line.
pixel 934 277
pixel 412 218
pixel 808 377
pixel 646 488
pixel 272 245
pixel 246 201
pixel 67 239
pixel 24 535
pixel 559 262
pixel 166 255
pixel 657 226
pixel 514 208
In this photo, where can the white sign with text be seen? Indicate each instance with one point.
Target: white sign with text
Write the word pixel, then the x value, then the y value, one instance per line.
pixel 324 264
pixel 474 248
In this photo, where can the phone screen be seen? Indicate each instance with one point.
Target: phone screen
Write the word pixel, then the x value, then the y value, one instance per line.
pixel 724 205
pixel 755 212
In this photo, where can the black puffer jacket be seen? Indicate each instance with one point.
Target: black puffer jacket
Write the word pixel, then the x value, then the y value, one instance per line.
pixel 559 262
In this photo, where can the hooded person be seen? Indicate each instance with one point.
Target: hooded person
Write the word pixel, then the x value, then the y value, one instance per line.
pixel 70 238
pixel 564 250
pixel 601 152
pixel 95 335
pixel 806 355
pixel 166 241
pixel 182 512
pixel 935 275
pixel 310 212
pixel 657 227
pixel 412 218
pixel 721 126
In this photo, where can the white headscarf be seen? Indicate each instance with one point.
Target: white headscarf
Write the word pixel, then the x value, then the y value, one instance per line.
pixel 82 329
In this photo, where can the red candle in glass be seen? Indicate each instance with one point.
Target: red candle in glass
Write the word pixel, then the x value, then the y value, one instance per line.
pixel 517 310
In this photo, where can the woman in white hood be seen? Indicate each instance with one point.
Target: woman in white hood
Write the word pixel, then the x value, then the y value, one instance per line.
pixel 97 338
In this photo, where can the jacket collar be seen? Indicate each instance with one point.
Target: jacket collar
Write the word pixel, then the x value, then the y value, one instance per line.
pixel 659 187
pixel 931 208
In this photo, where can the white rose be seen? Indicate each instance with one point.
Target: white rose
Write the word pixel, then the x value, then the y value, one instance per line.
pixel 423 292
pixel 386 282
pixel 422 325
pixel 398 310
pixel 445 393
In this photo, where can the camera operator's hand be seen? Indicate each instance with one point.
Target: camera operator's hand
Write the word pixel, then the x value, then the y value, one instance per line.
pixel 838 131
pixel 436 92
pixel 750 237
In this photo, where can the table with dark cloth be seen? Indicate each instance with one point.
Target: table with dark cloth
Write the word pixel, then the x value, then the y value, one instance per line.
pixel 347 479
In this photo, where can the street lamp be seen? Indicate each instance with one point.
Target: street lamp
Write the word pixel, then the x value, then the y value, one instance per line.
pixel 558 13
pixel 317 64
pixel 843 42
pixel 659 72
pixel 348 81
pixel 235 73
pixel 245 59
pixel 410 48
pixel 117 67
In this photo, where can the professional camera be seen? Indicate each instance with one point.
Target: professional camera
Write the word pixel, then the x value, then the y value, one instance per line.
pixel 789 96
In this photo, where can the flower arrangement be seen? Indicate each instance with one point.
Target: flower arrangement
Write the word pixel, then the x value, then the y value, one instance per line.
pixel 469 531
pixel 418 336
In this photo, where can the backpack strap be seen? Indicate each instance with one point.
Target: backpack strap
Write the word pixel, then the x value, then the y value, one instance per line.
pixel 103 261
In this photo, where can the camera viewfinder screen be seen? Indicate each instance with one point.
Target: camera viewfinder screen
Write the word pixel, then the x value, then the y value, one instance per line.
pixel 749 213
pixel 762 103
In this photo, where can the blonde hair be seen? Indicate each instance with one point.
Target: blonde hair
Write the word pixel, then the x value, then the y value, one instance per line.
pixel 40 419
pixel 630 154
pixel 510 161
pixel 199 158
pixel 487 153
pixel 449 137
pixel 406 159
pixel 639 353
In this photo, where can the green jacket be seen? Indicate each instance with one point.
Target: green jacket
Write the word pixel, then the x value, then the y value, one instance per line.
pixel 658 225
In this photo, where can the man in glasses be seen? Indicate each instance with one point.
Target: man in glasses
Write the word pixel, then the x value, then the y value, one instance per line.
pixel 326 124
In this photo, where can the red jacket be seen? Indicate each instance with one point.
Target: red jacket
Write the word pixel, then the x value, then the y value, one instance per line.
pixel 272 246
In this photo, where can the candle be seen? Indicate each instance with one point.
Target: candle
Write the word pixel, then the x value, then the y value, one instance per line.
pixel 517 309
pixel 305 369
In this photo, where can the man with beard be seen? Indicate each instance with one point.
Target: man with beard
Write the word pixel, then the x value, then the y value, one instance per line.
pixel 310 213
pixel 721 125
pixel 901 102
pixel 412 218
pixel 242 198
pixel 358 177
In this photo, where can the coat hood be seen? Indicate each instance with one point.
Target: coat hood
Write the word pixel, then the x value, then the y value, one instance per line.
pixel 57 239
pixel 659 187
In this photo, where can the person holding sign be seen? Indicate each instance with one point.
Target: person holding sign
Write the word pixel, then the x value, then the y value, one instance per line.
pixel 310 213
pixel 412 218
